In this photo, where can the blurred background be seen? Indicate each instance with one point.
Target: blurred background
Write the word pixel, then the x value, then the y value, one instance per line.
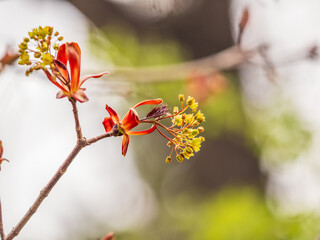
pixel 253 67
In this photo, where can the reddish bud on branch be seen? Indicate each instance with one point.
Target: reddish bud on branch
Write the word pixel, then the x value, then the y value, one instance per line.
pixel 109 236
pixel 1 153
pixel 243 23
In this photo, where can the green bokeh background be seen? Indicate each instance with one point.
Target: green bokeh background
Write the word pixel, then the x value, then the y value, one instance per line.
pixel 188 210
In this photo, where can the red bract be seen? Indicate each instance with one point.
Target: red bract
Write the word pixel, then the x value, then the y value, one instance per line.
pixel 70 81
pixel 130 120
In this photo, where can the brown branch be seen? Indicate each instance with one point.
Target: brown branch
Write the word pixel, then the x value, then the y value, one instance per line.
pixel 81 143
pixel 2 235
pixel 45 192
pixel 224 60
pixel 76 119
pixel 95 139
pixel 47 189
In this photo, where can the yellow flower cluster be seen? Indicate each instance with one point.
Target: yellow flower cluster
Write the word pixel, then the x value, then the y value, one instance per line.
pixel 185 129
pixel 36 51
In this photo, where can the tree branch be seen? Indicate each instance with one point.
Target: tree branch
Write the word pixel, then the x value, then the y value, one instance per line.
pixel 2 235
pixel 224 60
pixel 45 192
pixel 76 118
pixel 81 143
pixel 95 139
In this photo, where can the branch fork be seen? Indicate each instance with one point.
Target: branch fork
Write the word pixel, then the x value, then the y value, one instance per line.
pixel 81 143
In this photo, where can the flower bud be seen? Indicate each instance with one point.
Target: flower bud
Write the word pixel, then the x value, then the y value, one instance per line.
pixel 56 46
pixel 46 58
pixel 199 117
pixel 179 158
pixel 168 159
pixel 56 34
pixel 194 107
pixel 31 35
pixel 24 57
pixel 194 132
pixel 60 38
pixel 190 100
pixel 177 120
pixel 181 97
pixel 42 32
pixel 201 129
pixel 37 54
pixel 23 46
pixel 185 130
pixel 195 123
pixel 50 30
pixel 189 150
pixel 44 46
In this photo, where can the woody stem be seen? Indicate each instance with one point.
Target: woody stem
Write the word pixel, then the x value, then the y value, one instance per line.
pixel 2 235
pixel 76 118
pixel 81 143
pixel 45 192
pixel 105 135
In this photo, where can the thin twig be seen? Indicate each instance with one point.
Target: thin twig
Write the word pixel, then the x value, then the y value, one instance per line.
pixel 45 192
pixel 76 118
pixel 224 60
pixel 95 139
pixel 81 143
pixel 2 235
